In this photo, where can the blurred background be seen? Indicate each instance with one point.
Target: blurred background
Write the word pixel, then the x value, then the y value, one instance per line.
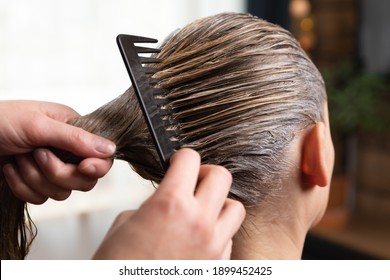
pixel 65 51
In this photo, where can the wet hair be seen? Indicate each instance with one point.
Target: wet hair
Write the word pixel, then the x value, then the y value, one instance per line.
pixel 238 88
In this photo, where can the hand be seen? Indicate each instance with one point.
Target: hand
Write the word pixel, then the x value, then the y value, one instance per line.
pixel 188 217
pixel 34 174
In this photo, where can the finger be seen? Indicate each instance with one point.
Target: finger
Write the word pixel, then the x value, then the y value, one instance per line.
pixel 182 174
pixel 62 174
pixel 50 132
pixel 94 167
pixel 229 221
pixel 36 180
pixel 56 132
pixel 59 111
pixel 213 187
pixel 19 187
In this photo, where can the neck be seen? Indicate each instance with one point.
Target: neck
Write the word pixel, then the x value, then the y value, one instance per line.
pixel 269 240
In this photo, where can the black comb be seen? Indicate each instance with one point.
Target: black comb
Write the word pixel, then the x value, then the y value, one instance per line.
pixel 146 93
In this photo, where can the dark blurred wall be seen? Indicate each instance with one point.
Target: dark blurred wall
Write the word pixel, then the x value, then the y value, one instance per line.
pixel 375 35
pixel 336 29
pixel 275 11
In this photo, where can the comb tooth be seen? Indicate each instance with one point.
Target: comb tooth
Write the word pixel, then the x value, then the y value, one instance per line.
pixel 173 132
pixel 162 102
pixel 146 50
pixel 140 39
pixel 149 70
pixel 169 125
pixel 176 143
pixel 173 135
pixel 159 92
pixel 154 81
pixel 145 60
pixel 165 113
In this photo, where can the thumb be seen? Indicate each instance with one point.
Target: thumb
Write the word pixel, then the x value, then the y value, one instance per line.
pixel 76 140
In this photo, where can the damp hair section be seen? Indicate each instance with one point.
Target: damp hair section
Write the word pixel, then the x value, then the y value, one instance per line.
pixel 240 89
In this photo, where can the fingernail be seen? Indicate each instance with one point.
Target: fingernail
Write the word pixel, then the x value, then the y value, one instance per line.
pixel 41 156
pixel 105 147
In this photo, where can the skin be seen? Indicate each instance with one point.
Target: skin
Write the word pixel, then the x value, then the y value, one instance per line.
pixel 34 175
pixel 278 231
pixel 188 217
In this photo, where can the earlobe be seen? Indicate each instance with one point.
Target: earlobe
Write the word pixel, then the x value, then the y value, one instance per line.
pixel 314 160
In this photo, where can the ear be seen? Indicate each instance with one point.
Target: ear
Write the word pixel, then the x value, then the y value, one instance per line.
pixel 314 160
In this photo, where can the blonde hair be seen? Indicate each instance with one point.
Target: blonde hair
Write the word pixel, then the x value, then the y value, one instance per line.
pixel 238 90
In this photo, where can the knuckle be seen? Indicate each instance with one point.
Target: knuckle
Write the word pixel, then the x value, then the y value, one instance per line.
pixel 37 200
pixel 18 192
pixel 219 174
pixel 77 136
pixel 238 206
pixel 170 205
pixel 30 176
pixel 224 174
pixel 201 227
pixel 61 195
pixel 36 128
pixel 54 175
pixel 193 155
pixel 219 170
pixel 33 199
pixel 188 155
pixel 86 186
pixel 240 209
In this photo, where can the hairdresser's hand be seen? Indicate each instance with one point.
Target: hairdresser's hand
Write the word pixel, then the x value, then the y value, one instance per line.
pixel 188 217
pixel 34 174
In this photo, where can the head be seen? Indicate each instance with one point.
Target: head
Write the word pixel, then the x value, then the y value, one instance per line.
pixel 244 95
